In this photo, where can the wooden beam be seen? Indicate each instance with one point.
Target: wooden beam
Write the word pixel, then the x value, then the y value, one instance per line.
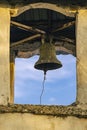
pixel 12 64
pixel 64 39
pixel 27 28
pixel 64 26
pixel 27 54
pixel 63 50
pixel 59 47
pixel 66 47
pixel 59 50
pixel 25 40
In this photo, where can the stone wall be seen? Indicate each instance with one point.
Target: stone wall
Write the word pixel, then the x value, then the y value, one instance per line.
pixel 31 117
pixel 26 121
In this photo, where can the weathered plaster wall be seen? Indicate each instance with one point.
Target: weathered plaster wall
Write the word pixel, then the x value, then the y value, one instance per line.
pixel 18 121
pixel 4 56
pixel 81 45
pixel 36 117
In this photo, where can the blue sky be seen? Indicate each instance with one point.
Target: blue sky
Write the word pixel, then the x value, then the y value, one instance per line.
pixel 60 84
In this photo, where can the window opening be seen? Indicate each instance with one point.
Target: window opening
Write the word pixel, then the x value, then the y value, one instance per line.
pixel 60 84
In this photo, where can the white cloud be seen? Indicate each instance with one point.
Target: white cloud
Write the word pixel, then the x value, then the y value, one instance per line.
pixel 25 69
pixel 28 80
pixel 68 70
pixel 52 99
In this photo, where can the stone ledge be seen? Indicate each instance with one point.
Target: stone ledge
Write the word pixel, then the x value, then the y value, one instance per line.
pixel 61 111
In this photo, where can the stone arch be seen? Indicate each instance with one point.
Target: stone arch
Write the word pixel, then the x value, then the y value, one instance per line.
pixel 51 6
pixel 41 5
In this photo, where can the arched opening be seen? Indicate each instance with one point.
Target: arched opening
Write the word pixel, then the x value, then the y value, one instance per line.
pixel 46 5
pixel 28 83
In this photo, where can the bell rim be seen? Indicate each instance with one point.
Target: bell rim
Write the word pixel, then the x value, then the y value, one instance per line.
pixel 52 64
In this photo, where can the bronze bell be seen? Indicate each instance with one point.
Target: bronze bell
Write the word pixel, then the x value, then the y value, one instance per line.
pixel 47 60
